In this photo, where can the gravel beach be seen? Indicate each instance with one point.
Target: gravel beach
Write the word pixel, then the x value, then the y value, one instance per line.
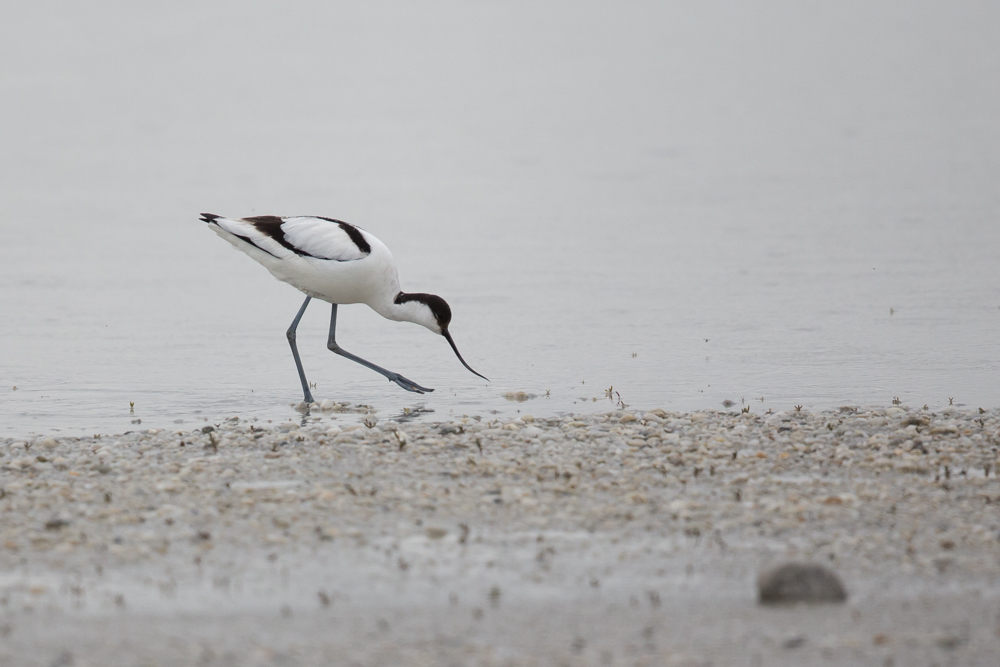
pixel 620 538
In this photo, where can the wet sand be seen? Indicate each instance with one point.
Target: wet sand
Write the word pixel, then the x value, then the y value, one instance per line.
pixel 625 537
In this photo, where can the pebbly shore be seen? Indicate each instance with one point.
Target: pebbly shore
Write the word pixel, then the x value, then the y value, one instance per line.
pixel 603 538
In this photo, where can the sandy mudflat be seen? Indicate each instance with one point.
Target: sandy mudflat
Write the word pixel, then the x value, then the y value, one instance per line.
pixel 629 538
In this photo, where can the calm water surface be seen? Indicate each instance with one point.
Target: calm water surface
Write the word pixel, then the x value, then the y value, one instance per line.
pixel 778 203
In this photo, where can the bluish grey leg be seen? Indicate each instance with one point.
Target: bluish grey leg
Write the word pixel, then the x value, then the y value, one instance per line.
pixel 408 385
pixel 290 334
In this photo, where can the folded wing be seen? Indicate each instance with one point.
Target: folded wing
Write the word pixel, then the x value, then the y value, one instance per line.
pixel 323 238
pixel 304 236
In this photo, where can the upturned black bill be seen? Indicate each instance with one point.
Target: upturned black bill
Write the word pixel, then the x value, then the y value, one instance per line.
pixel 457 354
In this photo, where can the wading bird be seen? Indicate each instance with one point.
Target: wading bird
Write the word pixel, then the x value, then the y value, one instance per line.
pixel 339 263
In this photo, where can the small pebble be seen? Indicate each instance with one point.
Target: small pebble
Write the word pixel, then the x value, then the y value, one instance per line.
pixel 799 582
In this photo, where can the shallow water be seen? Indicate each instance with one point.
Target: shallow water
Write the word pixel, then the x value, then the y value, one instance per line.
pixel 780 204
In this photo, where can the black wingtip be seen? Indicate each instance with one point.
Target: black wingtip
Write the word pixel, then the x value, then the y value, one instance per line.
pixel 209 217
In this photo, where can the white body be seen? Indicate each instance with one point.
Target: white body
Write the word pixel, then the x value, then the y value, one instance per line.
pixel 333 269
pixel 338 263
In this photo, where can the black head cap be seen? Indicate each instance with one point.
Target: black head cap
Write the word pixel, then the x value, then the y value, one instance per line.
pixel 439 307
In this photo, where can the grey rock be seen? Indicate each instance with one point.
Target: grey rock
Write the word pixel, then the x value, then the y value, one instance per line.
pixel 56 523
pixel 799 582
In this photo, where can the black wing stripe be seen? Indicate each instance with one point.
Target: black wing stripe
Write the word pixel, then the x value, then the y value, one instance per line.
pixel 247 239
pixel 353 232
pixel 271 225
